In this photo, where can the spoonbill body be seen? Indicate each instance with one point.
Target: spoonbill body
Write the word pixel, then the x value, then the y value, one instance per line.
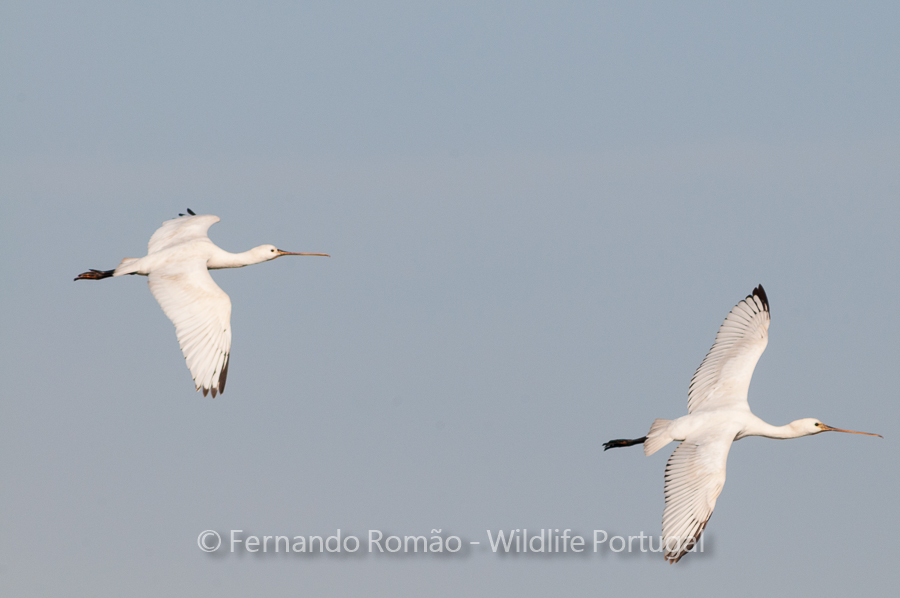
pixel 718 414
pixel 179 258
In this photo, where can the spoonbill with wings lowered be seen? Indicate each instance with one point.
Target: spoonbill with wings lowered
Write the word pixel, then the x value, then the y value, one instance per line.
pixel 718 414
pixel 179 258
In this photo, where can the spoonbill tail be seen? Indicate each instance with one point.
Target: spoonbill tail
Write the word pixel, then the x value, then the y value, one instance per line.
pixel 718 414
pixel 179 258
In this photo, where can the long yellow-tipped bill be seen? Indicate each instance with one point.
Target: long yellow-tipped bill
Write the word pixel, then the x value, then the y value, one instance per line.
pixel 828 428
pixel 281 253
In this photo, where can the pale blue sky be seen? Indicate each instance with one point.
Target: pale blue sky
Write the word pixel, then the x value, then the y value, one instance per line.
pixel 538 216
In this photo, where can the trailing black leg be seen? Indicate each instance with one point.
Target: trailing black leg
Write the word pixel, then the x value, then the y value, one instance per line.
pixel 623 442
pixel 95 274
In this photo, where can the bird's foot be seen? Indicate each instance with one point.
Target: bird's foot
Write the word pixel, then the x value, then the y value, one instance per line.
pixel 95 274
pixel 623 442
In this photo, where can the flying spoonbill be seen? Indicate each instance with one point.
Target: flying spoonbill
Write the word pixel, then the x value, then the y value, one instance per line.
pixel 718 414
pixel 179 258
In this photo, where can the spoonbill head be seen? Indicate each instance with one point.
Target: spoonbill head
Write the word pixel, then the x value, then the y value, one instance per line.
pixel 263 253
pixel 811 425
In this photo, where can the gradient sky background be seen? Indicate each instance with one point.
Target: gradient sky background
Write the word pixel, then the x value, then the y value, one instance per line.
pixel 538 215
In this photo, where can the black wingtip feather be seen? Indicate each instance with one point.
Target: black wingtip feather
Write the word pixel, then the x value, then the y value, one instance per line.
pixel 760 292
pixel 190 212
pixel 224 375
pixel 688 546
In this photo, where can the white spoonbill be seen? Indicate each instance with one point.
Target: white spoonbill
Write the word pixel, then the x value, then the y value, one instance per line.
pixel 718 414
pixel 179 258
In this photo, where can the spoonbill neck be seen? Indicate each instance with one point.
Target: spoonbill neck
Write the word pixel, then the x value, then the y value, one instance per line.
pixel 225 259
pixel 795 429
pixel 767 430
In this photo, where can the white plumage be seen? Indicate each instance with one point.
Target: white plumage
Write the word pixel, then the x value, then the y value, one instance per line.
pixel 718 414
pixel 201 312
pixel 179 257
pixel 723 378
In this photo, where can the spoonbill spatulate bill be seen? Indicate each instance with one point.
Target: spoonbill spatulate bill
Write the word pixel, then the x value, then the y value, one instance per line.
pixel 718 414
pixel 179 258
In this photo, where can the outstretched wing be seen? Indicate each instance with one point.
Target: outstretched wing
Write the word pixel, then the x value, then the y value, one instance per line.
pixel 181 229
pixel 695 475
pixel 201 312
pixel 723 379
